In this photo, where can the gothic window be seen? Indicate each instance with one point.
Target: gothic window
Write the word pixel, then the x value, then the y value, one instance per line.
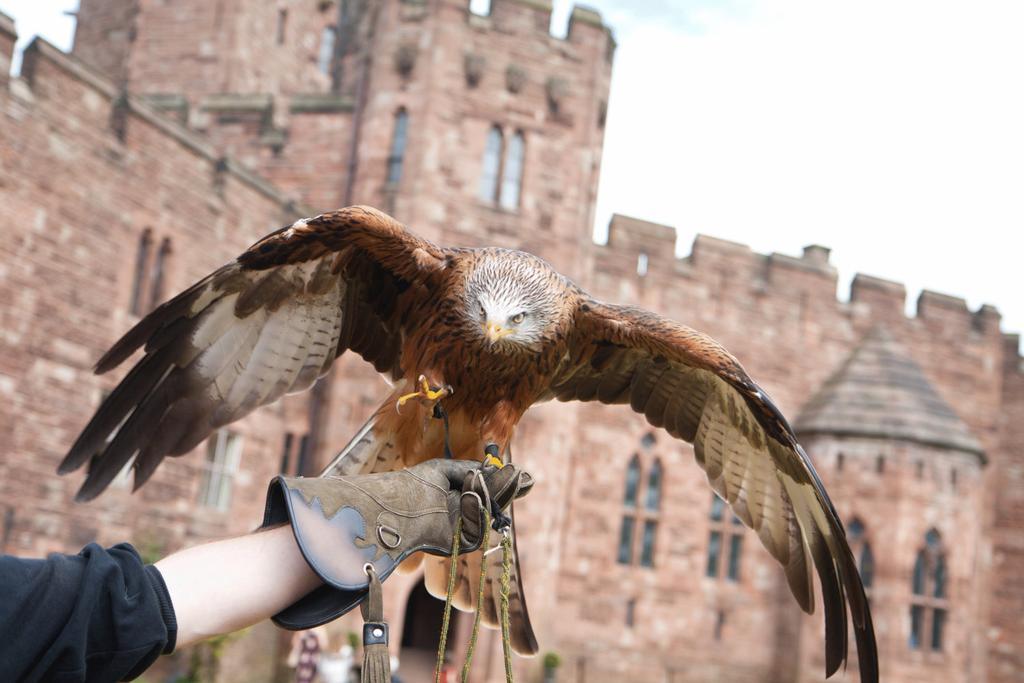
pixel 725 542
pixel 512 175
pixel 397 154
pixel 141 265
pixel 856 536
pixel 325 57
pixel 839 462
pixel 223 452
pixel 156 279
pixel 492 165
pixel 640 520
pixel 929 603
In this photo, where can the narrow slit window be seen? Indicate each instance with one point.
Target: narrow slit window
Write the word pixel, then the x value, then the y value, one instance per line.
pixel 647 543
pixel 492 165
pixel 626 540
pixel 156 287
pixel 512 175
pixel 398 141
pixel 142 255
pixel 282 25
pixel 325 56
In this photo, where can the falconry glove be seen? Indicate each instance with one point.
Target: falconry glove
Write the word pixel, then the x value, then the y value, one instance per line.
pixel 343 524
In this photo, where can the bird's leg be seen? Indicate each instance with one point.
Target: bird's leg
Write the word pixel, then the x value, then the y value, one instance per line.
pixel 491 454
pixel 426 393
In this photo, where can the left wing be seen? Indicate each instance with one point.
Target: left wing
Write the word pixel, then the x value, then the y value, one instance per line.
pixel 686 383
pixel 267 323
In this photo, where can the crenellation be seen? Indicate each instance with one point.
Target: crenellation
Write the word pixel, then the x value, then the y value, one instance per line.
pixel 635 235
pixel 885 298
pixel 986 320
pixel 8 36
pixel 1014 360
pixel 802 263
pixel 943 312
pixel 521 17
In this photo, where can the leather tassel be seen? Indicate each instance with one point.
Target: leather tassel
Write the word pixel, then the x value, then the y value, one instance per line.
pixel 376 657
pixel 376 663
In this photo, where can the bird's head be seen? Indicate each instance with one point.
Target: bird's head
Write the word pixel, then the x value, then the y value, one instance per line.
pixel 514 298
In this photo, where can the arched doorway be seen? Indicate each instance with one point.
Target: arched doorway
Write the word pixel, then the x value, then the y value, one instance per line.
pixel 421 634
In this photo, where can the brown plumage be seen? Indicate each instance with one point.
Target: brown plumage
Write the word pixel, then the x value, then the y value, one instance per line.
pixel 505 331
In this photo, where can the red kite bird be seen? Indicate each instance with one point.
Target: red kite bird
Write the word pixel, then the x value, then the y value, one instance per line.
pixel 492 332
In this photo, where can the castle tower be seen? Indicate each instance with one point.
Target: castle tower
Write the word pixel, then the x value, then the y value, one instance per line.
pixel 469 128
pixel 907 475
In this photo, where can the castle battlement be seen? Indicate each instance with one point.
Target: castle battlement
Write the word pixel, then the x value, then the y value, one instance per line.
pixel 722 263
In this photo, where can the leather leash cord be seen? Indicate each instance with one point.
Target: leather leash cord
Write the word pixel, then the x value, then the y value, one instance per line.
pixel 506 580
pixel 481 583
pixel 443 644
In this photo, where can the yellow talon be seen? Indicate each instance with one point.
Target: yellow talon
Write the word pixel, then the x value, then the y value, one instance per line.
pixel 425 392
pixel 491 460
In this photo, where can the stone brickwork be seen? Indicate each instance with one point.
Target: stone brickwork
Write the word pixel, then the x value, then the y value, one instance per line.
pixel 189 119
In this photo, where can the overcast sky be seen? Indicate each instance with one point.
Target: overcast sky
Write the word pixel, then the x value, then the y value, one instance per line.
pixel 891 131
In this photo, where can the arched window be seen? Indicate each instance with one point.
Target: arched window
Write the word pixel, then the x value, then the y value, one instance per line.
pixel 639 519
pixel 929 603
pixel 512 175
pixel 725 542
pixel 397 154
pixel 141 265
pixel 492 165
pixel 856 536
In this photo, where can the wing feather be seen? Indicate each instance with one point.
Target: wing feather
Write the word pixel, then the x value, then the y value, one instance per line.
pixel 685 382
pixel 269 323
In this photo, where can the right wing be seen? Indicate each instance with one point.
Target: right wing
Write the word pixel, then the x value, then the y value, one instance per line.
pixel 269 323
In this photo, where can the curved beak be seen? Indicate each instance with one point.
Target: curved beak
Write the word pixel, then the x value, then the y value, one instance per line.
pixel 495 331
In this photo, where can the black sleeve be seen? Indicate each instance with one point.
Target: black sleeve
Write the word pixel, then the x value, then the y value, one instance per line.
pixel 100 615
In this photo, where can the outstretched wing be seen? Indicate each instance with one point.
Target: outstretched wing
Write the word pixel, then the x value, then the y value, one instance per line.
pixel 686 383
pixel 266 324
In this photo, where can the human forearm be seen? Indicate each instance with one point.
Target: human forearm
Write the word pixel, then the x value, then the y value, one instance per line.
pixel 226 585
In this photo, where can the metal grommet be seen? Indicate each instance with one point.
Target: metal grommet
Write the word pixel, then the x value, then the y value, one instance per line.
pixel 368 569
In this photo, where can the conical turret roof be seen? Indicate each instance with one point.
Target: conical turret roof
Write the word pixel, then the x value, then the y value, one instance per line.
pixel 880 392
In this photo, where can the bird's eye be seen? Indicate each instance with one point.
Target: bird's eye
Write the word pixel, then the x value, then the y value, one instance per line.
pixel 517 318
pixel 483 313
